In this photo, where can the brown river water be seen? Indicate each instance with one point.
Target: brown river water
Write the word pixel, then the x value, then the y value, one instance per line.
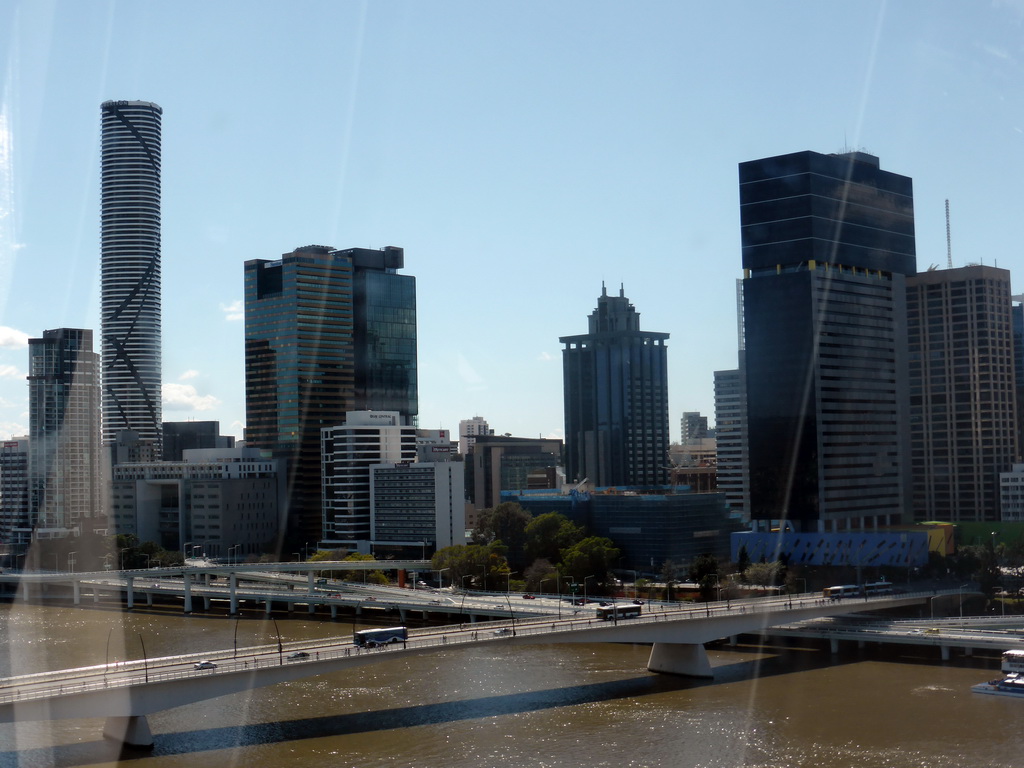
pixel 789 704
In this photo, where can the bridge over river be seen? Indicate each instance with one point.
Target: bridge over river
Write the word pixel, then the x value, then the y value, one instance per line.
pixel 126 693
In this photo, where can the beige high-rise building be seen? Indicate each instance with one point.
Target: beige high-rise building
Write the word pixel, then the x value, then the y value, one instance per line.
pixel 962 396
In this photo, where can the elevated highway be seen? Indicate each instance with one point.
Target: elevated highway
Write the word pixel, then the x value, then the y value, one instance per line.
pixel 126 693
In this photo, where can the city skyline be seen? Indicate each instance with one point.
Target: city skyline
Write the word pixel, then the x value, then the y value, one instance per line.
pixel 514 183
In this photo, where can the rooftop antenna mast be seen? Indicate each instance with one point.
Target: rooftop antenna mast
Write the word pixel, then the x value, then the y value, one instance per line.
pixel 949 241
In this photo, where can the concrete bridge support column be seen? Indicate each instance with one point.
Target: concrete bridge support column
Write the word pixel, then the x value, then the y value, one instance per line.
pixel 833 645
pixel 130 587
pixel 95 594
pixel 968 651
pixel 186 582
pixel 945 652
pixel 334 612
pixel 680 659
pixel 149 598
pixel 312 607
pixel 401 614
pixel 206 603
pixel 76 588
pixel 233 593
pixel 132 730
pixel 269 606
pixel 359 610
pixel 309 581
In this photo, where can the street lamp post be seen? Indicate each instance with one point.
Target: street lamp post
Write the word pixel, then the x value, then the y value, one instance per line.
pixel 635 595
pixel 185 550
pixel 440 579
pixel 542 585
pixel 585 587
pixel 508 582
pixel 462 606
pixel 123 550
pixel 71 561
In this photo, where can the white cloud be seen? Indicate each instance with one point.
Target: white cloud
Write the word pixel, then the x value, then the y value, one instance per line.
pixel 189 374
pixel 11 372
pixel 233 311
pixel 184 397
pixel 546 357
pixel 11 338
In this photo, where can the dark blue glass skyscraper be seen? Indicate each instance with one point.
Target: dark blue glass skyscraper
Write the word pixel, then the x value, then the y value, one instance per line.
pixel 615 380
pixel 326 332
pixel 828 241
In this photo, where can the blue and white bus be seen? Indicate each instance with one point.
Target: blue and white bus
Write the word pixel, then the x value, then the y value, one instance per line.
pixel 371 638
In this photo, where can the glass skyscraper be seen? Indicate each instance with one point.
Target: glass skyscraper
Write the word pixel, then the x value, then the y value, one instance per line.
pixel 326 332
pixel 615 381
pixel 828 241
pixel 64 446
pixel 130 269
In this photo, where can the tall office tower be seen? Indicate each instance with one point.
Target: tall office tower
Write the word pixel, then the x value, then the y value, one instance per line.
pixel 15 525
pixel 180 436
pixel 963 415
pixel 1017 315
pixel 615 381
pixel 827 243
pixel 130 269
pixel 64 432
pixel 349 451
pixel 318 345
pixel 470 430
pixel 731 437
pixel 693 426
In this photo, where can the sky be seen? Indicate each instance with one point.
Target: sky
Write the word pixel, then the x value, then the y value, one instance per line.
pixel 522 153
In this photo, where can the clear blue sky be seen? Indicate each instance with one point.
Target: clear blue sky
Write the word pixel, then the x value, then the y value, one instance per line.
pixel 520 152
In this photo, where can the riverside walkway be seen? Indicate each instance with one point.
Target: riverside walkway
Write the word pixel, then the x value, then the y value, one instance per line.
pixel 126 693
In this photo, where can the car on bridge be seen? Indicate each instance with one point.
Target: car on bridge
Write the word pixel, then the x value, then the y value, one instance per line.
pixel 204 665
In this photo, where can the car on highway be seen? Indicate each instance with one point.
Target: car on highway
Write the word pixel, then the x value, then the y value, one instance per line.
pixel 204 665
pixel 503 631
pixel 298 655
pixel 529 597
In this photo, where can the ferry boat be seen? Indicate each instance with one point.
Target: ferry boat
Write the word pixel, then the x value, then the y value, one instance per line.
pixel 1012 684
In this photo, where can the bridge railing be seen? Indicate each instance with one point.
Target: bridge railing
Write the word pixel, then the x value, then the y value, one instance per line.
pixel 147 671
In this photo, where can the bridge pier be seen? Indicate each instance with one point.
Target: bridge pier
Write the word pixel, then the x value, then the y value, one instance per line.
pixel 130 587
pixel 833 645
pixel 232 592
pixel 132 730
pixel 149 598
pixel 945 652
pixel 206 603
pixel 76 588
pixel 334 611
pixel 312 605
pixel 680 659
pixel 186 584
pixel 269 606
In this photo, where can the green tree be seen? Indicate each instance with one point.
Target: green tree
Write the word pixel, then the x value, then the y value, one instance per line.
pixel 505 523
pixel 704 573
pixel 548 534
pixel 742 561
pixel 764 574
pixel 474 561
pixel 592 556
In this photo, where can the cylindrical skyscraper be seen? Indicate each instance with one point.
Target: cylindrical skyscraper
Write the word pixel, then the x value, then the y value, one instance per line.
pixel 130 264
